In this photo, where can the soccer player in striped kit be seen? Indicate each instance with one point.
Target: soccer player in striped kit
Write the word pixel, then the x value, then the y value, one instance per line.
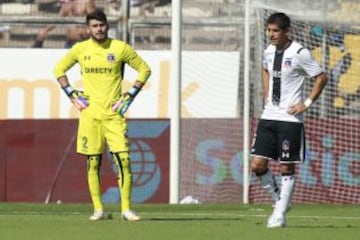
pixel 102 105
pixel 280 131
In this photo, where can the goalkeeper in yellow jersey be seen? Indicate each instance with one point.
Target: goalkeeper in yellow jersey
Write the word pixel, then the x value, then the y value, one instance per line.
pixel 102 105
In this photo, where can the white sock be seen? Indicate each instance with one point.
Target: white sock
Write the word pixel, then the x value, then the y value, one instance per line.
pixel 287 189
pixel 267 181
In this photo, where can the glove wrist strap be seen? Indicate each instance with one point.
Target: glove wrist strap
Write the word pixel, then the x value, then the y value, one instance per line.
pixel 134 91
pixel 68 89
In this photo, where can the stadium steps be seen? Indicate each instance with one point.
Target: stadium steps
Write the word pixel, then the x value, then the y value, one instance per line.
pixel 148 34
pixel 24 36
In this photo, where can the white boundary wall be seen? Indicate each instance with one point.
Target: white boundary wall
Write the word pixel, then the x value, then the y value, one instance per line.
pixel 29 90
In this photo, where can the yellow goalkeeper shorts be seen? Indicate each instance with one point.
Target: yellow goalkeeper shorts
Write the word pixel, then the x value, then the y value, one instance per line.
pixel 93 133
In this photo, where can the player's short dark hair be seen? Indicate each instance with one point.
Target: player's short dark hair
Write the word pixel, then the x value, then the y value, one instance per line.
pixel 280 19
pixel 97 15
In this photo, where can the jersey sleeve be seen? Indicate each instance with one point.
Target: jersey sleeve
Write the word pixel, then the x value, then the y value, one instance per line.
pixel 66 62
pixel 136 62
pixel 308 63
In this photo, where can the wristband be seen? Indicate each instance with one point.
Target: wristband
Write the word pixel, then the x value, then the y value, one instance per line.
pixel 308 102
pixel 134 91
pixel 68 89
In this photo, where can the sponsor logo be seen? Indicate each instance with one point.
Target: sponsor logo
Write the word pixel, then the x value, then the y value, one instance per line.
pixel 29 89
pixel 98 70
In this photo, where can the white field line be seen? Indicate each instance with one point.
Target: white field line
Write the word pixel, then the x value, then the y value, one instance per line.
pixel 42 213
pixel 222 214
pixel 173 215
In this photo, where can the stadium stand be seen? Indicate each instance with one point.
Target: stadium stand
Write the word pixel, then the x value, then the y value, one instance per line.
pixel 216 22
pixel 148 24
pixel 24 20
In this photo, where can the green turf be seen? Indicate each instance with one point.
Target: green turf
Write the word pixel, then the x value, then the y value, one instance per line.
pixel 173 222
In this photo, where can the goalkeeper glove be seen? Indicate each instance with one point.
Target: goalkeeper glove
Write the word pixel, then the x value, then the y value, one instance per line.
pixel 124 103
pixel 76 97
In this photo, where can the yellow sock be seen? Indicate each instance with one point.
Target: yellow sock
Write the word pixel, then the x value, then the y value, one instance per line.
pixel 93 174
pixel 122 162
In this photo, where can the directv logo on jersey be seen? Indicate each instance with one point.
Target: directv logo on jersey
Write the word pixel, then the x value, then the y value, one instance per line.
pixel 101 70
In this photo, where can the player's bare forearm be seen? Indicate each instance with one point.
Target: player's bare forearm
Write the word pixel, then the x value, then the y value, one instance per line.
pixel 265 84
pixel 63 81
pixel 320 83
pixel 138 84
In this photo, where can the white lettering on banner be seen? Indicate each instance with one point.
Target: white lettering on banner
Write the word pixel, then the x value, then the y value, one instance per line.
pixel 28 88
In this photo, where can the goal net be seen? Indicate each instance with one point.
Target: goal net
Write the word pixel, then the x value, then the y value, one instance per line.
pixel 211 135
pixel 331 172
pixel 211 144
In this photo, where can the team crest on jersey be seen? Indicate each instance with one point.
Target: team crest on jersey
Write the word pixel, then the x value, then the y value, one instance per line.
pixel 110 57
pixel 287 62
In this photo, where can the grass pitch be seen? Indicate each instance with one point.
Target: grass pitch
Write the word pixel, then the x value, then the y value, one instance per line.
pixel 175 222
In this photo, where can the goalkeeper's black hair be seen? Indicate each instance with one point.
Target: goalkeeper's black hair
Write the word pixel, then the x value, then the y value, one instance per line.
pixel 280 19
pixel 97 15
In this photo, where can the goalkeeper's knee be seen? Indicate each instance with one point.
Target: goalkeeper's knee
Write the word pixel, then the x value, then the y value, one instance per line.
pixel 122 159
pixel 122 162
pixel 94 163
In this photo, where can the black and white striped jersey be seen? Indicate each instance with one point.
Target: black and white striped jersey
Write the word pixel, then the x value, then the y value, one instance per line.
pixel 287 71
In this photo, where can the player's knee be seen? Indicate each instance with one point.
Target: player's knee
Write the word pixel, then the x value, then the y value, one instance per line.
pixel 94 163
pixel 258 166
pixel 122 160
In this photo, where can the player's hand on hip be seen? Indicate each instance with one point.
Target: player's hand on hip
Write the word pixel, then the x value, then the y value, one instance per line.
pixel 79 101
pixel 77 97
pixel 122 105
pixel 296 109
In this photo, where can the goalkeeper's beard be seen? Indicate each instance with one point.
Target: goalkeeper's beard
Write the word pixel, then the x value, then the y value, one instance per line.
pixel 100 36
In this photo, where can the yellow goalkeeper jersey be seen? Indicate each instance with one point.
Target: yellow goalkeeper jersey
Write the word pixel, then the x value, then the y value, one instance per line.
pixel 102 66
